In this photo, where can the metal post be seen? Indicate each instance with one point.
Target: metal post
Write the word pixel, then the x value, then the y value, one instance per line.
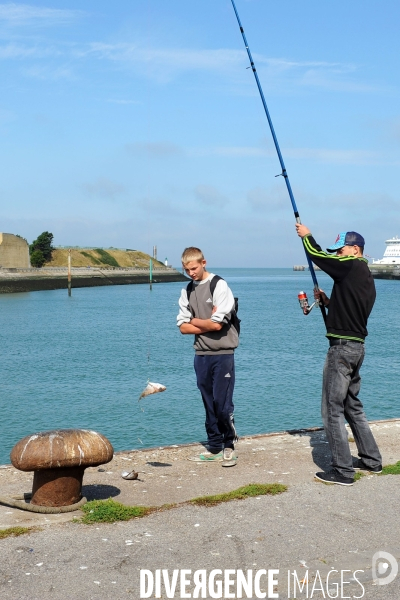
pixel 151 273
pixel 69 272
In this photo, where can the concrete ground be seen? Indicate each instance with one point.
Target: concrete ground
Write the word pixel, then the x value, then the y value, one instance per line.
pixel 311 527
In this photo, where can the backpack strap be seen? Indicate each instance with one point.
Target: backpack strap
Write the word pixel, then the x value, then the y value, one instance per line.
pixel 235 321
pixel 189 289
pixel 213 283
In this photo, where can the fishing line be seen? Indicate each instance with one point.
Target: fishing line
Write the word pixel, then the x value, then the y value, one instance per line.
pixel 151 388
pixel 284 172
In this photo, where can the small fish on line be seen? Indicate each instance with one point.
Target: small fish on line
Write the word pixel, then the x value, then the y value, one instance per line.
pixel 152 388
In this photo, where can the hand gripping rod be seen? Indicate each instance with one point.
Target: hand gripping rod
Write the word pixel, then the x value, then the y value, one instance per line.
pixel 284 172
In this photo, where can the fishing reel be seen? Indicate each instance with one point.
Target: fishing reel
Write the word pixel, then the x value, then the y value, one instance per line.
pixel 303 301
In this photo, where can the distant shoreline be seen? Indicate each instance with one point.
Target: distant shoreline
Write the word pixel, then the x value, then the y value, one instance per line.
pixel 54 278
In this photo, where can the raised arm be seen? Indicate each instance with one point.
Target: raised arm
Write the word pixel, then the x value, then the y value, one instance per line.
pixel 335 266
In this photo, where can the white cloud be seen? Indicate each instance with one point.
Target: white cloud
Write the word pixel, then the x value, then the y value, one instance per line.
pixel 120 101
pixel 209 195
pixel 238 151
pixel 23 14
pixel 103 188
pixel 157 205
pixel 322 155
pixel 174 59
pixel 283 64
pixel 13 51
pixel 327 155
pixel 264 200
pixel 373 201
pixel 49 73
pixel 163 64
pixel 335 80
pixel 202 59
pixel 388 129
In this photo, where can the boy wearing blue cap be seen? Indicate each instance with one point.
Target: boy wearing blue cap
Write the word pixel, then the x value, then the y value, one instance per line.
pixel 353 296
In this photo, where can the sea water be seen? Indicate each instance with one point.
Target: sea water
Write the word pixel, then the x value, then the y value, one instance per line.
pixel 82 361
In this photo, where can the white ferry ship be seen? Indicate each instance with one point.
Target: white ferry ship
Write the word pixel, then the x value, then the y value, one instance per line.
pixel 388 267
pixel 392 253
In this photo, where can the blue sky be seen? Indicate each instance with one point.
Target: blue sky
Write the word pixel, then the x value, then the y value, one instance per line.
pixel 135 123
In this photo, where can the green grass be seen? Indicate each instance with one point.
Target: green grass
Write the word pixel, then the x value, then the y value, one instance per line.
pixel 248 491
pixel 91 258
pixel 391 469
pixel 15 531
pixel 388 470
pixel 106 258
pixel 109 511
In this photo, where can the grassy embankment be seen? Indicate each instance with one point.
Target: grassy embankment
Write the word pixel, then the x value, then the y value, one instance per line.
pixel 100 258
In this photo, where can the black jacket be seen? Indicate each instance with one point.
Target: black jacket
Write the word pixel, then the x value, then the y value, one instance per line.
pixel 353 293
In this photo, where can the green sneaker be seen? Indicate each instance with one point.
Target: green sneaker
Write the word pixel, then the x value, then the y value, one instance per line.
pixel 207 456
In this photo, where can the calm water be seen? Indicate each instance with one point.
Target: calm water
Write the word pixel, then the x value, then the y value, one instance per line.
pixel 83 361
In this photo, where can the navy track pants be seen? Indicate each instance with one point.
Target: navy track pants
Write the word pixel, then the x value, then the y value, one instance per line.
pixel 216 380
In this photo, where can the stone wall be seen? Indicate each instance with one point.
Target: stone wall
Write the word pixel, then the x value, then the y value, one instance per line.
pixel 37 279
pixel 14 251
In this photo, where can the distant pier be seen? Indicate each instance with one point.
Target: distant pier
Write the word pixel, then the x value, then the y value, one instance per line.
pixel 56 278
pixel 304 268
pixel 383 271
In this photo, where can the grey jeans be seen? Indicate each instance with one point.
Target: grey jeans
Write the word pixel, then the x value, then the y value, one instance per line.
pixel 340 388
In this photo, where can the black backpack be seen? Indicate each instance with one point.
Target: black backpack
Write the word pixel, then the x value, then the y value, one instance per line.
pixel 235 321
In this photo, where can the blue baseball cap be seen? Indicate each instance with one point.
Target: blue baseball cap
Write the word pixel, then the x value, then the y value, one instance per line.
pixel 347 238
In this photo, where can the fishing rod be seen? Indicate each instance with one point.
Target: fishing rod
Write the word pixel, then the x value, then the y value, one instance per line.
pixel 306 308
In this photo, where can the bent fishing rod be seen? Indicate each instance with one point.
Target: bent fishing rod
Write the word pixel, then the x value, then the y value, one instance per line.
pixel 305 307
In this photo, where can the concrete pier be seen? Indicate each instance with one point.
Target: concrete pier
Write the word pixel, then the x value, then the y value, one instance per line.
pixel 55 278
pixel 385 271
pixel 311 527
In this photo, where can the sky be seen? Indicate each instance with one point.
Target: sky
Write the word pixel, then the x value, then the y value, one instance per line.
pixel 138 123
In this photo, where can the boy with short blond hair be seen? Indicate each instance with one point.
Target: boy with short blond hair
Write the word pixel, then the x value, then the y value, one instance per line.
pixel 205 310
pixel 190 254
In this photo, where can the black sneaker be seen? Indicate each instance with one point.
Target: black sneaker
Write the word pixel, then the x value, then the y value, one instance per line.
pixel 359 465
pixel 334 477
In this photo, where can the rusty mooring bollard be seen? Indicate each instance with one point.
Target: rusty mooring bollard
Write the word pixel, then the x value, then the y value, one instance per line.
pixel 58 459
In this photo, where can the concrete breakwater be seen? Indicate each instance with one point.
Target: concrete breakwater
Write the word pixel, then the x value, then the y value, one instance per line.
pixel 385 271
pixel 55 278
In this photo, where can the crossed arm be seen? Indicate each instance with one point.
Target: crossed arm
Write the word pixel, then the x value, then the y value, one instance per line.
pixel 197 326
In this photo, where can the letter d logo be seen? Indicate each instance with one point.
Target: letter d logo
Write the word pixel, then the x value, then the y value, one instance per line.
pixel 381 562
